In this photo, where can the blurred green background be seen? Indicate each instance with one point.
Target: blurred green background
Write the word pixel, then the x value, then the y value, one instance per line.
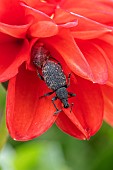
pixel 55 150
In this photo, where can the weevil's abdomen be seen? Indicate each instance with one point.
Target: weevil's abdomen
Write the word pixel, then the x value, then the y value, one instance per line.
pixel 53 75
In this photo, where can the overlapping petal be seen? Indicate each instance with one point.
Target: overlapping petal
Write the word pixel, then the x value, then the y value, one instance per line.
pixel 92 14
pixel 108 103
pixel 88 110
pixel 106 49
pixel 43 26
pixel 13 54
pixel 85 29
pixel 41 5
pixel 89 29
pixel 94 56
pixel 17 31
pixel 70 52
pixel 27 115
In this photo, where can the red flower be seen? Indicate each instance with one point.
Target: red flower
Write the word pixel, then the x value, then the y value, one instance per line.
pixel 79 36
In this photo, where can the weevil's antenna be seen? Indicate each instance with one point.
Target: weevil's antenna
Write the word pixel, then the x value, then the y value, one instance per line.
pixel 71 106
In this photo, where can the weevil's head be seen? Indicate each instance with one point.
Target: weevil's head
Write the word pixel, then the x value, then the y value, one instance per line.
pixel 39 54
pixel 62 94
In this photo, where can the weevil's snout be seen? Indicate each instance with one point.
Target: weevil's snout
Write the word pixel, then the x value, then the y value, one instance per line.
pixel 65 103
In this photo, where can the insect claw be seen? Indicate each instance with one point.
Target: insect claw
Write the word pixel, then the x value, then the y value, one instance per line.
pixel 58 111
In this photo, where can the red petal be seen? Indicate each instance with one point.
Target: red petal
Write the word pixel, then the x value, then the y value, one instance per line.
pixel 27 115
pixel 13 54
pixel 85 29
pixel 95 14
pixel 54 1
pixel 11 12
pixel 18 31
pixel 38 15
pixel 108 38
pixel 87 110
pixel 69 24
pixel 62 16
pixel 107 49
pixel 91 5
pixel 70 126
pixel 43 29
pixel 88 29
pixel 42 6
pixel 108 104
pixel 94 56
pixel 66 46
pixel 43 25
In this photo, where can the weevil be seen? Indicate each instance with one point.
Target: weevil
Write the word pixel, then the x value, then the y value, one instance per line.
pixel 52 75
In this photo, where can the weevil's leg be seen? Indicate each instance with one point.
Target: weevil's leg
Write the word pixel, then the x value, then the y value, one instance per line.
pixel 53 99
pixel 71 106
pixel 71 94
pixel 39 75
pixel 47 94
pixel 68 83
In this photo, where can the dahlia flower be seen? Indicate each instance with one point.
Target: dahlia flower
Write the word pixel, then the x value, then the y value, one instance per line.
pixel 76 33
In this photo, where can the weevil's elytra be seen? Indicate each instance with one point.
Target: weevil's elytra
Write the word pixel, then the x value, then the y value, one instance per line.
pixel 52 75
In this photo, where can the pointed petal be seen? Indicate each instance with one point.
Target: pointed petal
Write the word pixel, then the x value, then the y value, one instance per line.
pixel 43 29
pixel 69 24
pixel 42 6
pixel 18 31
pixel 38 15
pixel 87 110
pixel 98 5
pixel 68 123
pixel 43 25
pixel 14 53
pixel 108 103
pixel 88 29
pixel 68 49
pixel 62 16
pixel 94 56
pixel 95 14
pixel 27 115
pixel 89 23
pixel 106 48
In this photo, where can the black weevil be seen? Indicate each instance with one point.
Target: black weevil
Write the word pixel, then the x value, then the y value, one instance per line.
pixel 52 75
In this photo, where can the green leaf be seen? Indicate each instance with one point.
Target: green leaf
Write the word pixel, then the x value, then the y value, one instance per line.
pixel 33 155
pixel 3 129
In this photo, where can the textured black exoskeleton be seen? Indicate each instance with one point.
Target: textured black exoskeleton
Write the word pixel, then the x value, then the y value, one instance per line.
pixel 53 76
